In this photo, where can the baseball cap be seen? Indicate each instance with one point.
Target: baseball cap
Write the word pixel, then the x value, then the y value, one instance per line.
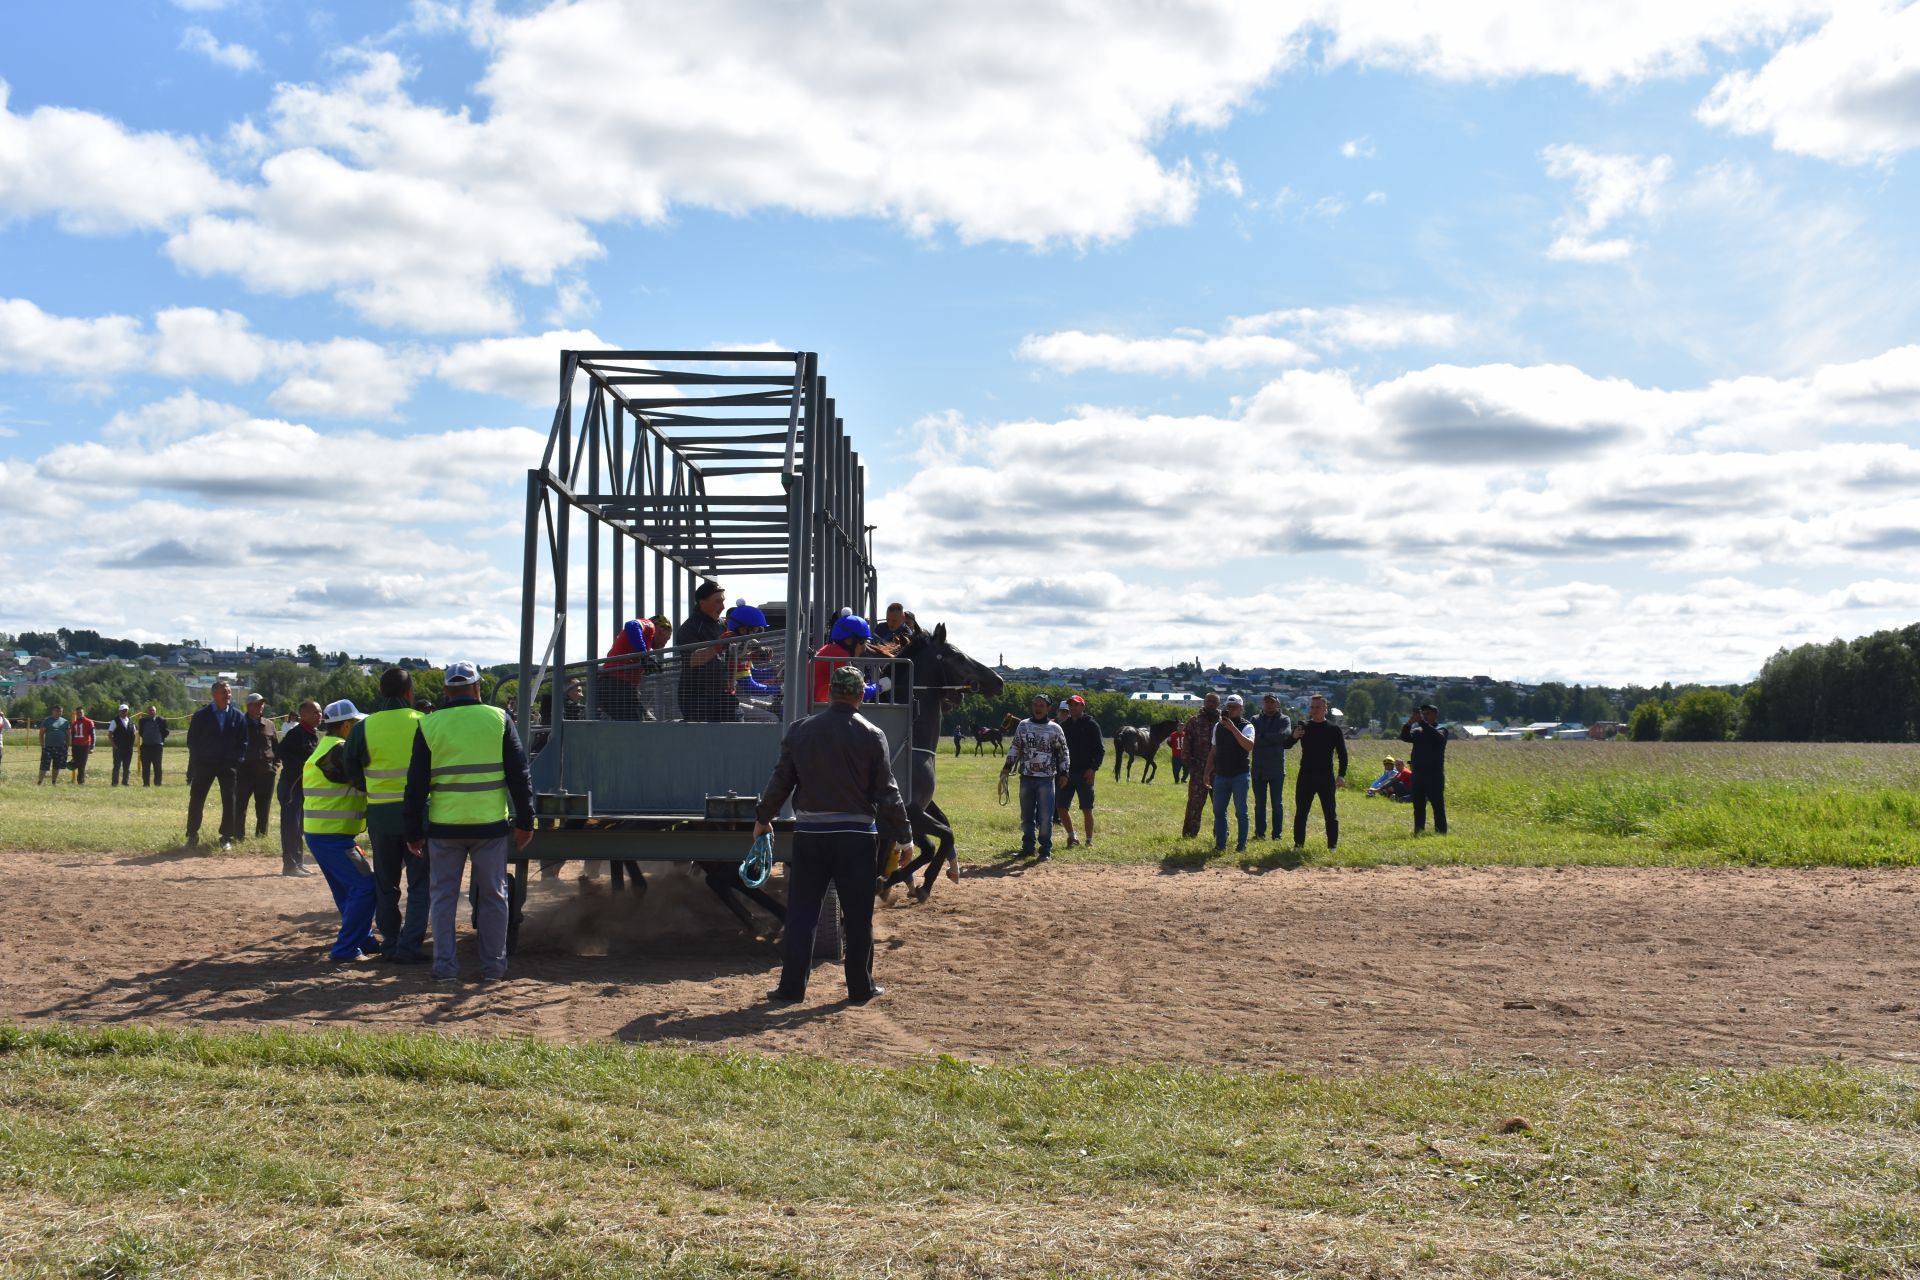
pixel 1076 701
pixel 251 699
pixel 1235 700
pixel 124 707
pixel 1041 697
pixel 1428 706
pixel 461 673
pixel 341 710
pixel 847 680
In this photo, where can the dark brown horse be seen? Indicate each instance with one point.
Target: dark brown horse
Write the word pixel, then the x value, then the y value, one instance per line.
pixel 942 677
pixel 1142 744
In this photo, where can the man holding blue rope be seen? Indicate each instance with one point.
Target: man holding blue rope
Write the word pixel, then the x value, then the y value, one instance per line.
pixel 834 766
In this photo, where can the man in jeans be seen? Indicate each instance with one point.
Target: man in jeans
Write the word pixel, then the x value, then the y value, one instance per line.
pixel 467 794
pixel 1273 736
pixel 1233 743
pixel 1039 753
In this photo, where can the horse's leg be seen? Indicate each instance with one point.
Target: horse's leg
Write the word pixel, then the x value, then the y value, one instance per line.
pixel 947 856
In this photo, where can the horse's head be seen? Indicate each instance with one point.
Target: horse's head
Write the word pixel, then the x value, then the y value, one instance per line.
pixel 939 662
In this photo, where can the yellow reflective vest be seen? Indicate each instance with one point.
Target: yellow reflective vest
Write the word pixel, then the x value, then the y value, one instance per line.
pixel 332 808
pixel 390 737
pixel 468 785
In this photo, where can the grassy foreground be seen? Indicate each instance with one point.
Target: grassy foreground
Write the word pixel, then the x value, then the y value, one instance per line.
pixel 1530 804
pixel 1518 803
pixel 131 1153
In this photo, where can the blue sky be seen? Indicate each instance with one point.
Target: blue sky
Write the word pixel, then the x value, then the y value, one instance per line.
pixel 1494 338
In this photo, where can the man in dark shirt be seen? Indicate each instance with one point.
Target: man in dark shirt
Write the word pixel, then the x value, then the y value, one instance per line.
pixel 834 766
pixel 1085 754
pixel 705 692
pixel 256 771
pixel 1273 737
pixel 295 745
pixel 1429 742
pixel 154 731
pixel 121 735
pixel 1234 741
pixel 1320 741
pixel 216 747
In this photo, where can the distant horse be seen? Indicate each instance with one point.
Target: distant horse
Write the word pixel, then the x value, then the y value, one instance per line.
pixel 942 676
pixel 982 735
pixel 1142 744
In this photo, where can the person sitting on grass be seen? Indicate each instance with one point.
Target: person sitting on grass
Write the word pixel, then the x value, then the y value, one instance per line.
pixel 1388 767
pixel 1400 787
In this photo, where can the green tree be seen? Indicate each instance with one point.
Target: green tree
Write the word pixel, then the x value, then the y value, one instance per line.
pixel 1702 715
pixel 1359 707
pixel 345 681
pixel 1646 722
pixel 284 684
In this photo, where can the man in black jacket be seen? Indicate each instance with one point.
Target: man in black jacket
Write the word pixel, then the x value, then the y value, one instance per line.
pixel 1273 737
pixel 1086 752
pixel 256 771
pixel 1429 742
pixel 1320 741
pixel 122 735
pixel 295 745
pixel 216 748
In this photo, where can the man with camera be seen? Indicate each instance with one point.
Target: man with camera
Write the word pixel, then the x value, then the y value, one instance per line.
pixel 1429 741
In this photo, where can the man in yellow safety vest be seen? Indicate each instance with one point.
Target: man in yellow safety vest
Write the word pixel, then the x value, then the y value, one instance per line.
pixel 467 791
pixel 378 752
pixel 334 817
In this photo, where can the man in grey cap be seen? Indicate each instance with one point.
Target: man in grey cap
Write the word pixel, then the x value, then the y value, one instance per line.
pixel 834 766
pixel 256 770
pixel 1273 736
pixel 1233 744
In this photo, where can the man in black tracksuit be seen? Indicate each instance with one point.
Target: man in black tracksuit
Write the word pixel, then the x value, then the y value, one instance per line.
pixel 1320 741
pixel 1429 742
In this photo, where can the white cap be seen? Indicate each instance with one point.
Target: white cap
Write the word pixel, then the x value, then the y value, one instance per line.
pixel 123 706
pixel 460 674
pixel 340 711
pixel 1235 700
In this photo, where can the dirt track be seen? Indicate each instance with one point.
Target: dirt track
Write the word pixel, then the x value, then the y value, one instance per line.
pixel 1315 969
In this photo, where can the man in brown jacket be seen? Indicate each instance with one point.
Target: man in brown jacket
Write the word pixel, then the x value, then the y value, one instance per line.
pixel 1200 762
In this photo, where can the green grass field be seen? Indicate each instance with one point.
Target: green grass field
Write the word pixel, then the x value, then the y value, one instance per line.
pixel 1510 804
pixel 131 1153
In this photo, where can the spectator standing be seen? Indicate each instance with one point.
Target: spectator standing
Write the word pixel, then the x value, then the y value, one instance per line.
pixel 1320 741
pixel 55 733
pixel 1038 753
pixel 6 727
pixel 82 739
pixel 379 753
pixel 1199 746
pixel 704 693
pixel 153 731
pixel 121 737
pixel 256 771
pixel 295 745
pixel 467 794
pixel 833 765
pixel 216 748
pixel 1429 760
pixel 1177 747
pixel 1085 754
pixel 1234 739
pixel 334 814
pixel 1273 738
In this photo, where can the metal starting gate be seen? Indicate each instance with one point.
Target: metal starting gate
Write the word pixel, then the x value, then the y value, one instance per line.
pixel 672 467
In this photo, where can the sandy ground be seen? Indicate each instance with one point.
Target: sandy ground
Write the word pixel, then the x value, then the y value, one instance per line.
pixel 1337 970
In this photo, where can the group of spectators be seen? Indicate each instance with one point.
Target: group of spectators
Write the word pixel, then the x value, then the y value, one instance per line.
pixel 66 746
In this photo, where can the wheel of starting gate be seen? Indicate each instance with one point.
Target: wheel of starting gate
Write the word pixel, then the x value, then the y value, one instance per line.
pixel 827 939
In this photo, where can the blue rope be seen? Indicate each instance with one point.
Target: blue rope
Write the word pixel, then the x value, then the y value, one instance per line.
pixel 758 864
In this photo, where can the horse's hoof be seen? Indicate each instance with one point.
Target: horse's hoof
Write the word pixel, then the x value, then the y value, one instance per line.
pixel 922 894
pixel 953 872
pixel 886 889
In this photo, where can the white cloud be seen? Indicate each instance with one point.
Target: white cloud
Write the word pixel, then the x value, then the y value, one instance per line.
pixel 234 57
pixel 344 378
pixel 1522 478
pixel 97 176
pixel 1848 92
pixel 1375 197
pixel 178 415
pixel 1599 45
pixel 33 341
pixel 1357 148
pixel 1272 339
pixel 1608 188
pixel 203 6
pixel 526 369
